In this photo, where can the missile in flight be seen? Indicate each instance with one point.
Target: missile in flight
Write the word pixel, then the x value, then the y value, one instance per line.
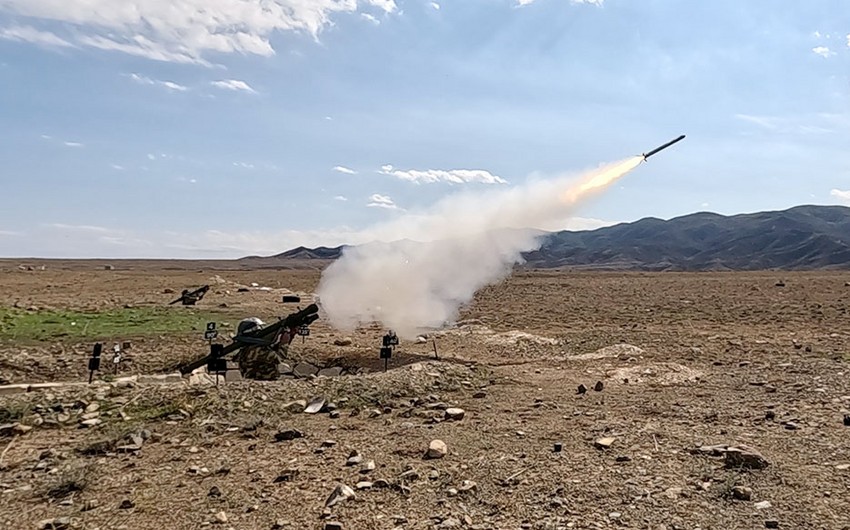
pixel 662 147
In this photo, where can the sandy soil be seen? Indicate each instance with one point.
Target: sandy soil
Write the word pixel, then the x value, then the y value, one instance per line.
pixel 685 360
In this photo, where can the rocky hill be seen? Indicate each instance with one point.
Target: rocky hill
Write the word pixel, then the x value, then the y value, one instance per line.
pixel 803 237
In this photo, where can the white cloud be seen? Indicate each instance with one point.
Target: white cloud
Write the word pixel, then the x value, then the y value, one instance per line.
pixel 818 123
pixel 185 31
pixel 9 233
pixel 151 156
pixel 73 144
pixel 382 201
pixel 233 84
pixel 454 176
pixel 79 228
pixel 33 36
pixel 823 51
pixel 848 40
pixel 842 195
pixel 387 5
pixel 370 18
pixel 343 169
pixel 590 2
pixel 46 137
pixel 166 84
pixel 117 167
pixel 435 5
pixel 244 165
pixel 340 198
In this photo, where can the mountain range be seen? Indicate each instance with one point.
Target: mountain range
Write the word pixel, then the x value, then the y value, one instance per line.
pixel 800 238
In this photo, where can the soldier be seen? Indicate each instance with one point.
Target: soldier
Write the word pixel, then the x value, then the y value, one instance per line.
pixel 260 361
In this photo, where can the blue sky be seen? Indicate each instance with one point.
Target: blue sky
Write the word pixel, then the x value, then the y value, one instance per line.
pixel 221 128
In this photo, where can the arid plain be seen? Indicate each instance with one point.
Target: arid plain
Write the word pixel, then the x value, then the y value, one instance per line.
pixel 693 370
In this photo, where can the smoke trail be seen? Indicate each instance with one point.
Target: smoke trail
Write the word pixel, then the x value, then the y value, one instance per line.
pixel 461 244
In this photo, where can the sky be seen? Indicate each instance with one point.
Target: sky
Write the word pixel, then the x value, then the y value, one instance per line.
pixel 225 128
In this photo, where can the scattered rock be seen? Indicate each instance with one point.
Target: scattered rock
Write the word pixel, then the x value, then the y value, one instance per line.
pixel 742 493
pixel 94 422
pixel 368 467
pixel 598 386
pixel 344 341
pixel 771 523
pixel 479 395
pixel 847 420
pixel 214 492
pixel 437 449
pixel 221 517
pixel 288 434
pixel 354 458
pixel 304 370
pixel 280 524
pixel 328 443
pixel 363 485
pixel 558 447
pixel 581 389
pixel 762 505
pixel 604 443
pixel 339 494
pixel 126 504
pixel 467 485
pixel 336 371
pixel 89 505
pixel 59 523
pixel 296 407
pixel 455 414
pixel 842 467
pixel 744 457
pixel 315 405
pixel 333 525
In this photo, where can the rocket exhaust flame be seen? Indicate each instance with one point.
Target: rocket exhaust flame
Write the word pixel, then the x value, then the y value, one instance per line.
pixel 438 259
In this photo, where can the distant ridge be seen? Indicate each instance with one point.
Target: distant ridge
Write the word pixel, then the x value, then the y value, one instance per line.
pixel 800 238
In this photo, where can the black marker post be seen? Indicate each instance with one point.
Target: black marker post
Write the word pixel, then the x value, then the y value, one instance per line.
pixel 94 361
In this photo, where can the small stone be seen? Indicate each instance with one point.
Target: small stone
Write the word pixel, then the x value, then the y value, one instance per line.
pixel 604 443
pixel 363 485
pixel 744 457
pixel 59 523
pixel 333 525
pixel 479 395
pixel 558 447
pixel 94 422
pixel 21 429
pixel 374 413
pixel 296 406
pixel 769 415
pixel 368 467
pixel 344 341
pixel 93 407
pixel 354 458
pixel 315 405
pixel 842 467
pixel 468 485
pixel 762 505
pixel 334 414
pixel 437 449
pixel 339 494
pixel 791 426
pixel 614 515
pixel 280 524
pixel 221 517
pixel 288 434
pixel 598 386
pixel 194 450
pixel 771 523
pixel 89 505
pixel 742 493
pixel 581 389
pixel 126 504
pixel 847 420
pixel 454 414
pixel 328 443
pixel 214 492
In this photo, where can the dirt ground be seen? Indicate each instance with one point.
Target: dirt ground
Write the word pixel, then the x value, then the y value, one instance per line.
pixel 684 361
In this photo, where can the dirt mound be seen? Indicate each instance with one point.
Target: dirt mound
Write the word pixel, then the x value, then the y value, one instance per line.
pixel 620 351
pixel 664 374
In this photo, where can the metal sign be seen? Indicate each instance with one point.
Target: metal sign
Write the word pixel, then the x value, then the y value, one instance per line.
pixel 211 332
pixel 304 331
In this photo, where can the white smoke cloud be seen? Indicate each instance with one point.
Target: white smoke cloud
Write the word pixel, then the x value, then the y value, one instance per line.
pixel 426 266
pixel 454 176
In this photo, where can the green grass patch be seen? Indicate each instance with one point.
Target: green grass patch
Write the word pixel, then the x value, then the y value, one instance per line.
pixel 57 324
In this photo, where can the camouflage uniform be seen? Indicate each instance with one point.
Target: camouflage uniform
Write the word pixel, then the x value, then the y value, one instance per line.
pixel 261 362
